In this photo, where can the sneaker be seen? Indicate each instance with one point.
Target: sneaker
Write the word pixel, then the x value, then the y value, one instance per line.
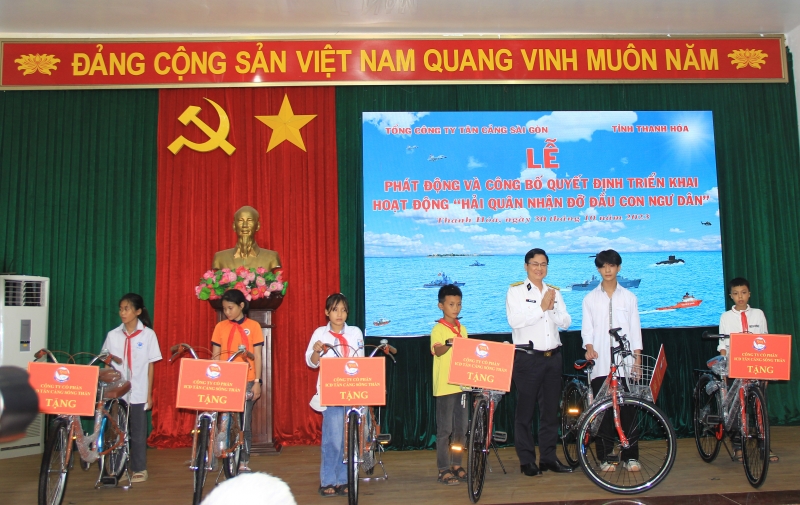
pixel 139 477
pixel 633 465
pixel 605 466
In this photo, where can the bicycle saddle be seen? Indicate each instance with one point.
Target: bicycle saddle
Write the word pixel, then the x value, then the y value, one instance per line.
pixel 109 375
pixel 584 363
pixel 116 389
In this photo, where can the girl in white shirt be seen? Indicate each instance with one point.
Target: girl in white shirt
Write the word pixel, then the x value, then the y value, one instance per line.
pixel 136 343
pixel 348 341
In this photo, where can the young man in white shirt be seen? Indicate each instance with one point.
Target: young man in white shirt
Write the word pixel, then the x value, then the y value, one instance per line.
pixel 609 306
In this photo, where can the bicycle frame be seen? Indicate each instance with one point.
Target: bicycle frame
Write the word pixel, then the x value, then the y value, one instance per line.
pixel 717 409
pixel 733 397
pixel 610 388
pixel 88 444
pixel 213 450
pixel 101 416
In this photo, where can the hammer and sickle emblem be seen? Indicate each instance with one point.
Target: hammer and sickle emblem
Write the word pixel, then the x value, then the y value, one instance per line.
pixel 215 138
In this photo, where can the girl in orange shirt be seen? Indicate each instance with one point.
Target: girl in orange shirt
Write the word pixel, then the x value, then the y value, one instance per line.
pixel 228 335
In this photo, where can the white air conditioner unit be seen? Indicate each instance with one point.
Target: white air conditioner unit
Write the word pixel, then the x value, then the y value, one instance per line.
pixel 24 302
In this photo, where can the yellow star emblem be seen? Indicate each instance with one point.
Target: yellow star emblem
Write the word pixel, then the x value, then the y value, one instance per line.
pixel 286 125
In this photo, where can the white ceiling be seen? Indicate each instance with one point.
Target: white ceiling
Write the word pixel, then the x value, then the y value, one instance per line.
pixel 222 18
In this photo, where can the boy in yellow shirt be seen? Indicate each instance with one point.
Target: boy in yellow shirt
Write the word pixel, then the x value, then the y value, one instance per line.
pixel 451 402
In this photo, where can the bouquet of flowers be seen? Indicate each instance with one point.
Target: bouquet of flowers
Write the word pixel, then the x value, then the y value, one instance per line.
pixel 255 283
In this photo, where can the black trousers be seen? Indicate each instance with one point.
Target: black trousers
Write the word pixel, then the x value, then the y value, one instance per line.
pixel 137 429
pixel 538 382
pixel 608 433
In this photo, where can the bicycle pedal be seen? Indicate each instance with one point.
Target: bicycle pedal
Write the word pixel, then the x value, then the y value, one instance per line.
pixel 109 481
pixel 384 438
pixel 712 419
pixel 613 458
pixel 500 436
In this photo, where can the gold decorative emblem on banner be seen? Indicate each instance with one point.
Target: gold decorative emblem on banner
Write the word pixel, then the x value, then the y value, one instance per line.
pixel 32 63
pixel 286 125
pixel 748 57
pixel 216 138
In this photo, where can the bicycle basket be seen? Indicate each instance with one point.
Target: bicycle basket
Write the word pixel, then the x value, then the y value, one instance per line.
pixel 638 378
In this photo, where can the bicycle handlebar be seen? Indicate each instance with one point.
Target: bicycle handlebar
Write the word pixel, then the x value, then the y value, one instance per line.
pixel 528 348
pixel 178 349
pixel 111 357
pixel 104 356
pixel 614 332
pixel 713 336
pixel 383 346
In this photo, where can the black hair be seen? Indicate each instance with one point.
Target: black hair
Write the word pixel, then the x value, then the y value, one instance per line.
pixel 237 297
pixel 607 257
pixel 533 252
pixel 449 290
pixel 138 303
pixel 738 281
pixel 335 299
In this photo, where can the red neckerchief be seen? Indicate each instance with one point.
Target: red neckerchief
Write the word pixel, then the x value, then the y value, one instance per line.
pixel 342 342
pixel 455 328
pixel 745 327
pixel 128 348
pixel 238 327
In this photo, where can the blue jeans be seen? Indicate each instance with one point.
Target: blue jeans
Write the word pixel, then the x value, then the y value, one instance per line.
pixel 332 470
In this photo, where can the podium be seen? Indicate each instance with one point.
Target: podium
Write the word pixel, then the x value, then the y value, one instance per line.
pixel 261 312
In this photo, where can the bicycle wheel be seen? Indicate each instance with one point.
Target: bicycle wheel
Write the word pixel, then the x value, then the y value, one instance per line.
pixel 647 427
pixel 755 438
pixel 200 460
pixel 55 467
pixel 572 406
pixel 476 455
pixel 231 462
pixel 707 419
pixel 114 463
pixel 352 457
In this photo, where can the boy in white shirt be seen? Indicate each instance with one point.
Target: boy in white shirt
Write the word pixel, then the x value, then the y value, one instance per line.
pixel 609 306
pixel 742 318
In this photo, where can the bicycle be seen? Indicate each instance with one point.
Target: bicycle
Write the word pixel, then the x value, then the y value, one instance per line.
pixel 215 434
pixel 362 436
pixel 649 430
pixel 481 435
pixel 108 444
pixel 738 411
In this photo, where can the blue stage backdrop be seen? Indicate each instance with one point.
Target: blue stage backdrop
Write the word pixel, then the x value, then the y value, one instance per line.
pixel 460 197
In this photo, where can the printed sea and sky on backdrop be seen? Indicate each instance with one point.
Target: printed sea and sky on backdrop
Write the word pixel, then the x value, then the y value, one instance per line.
pixel 642 183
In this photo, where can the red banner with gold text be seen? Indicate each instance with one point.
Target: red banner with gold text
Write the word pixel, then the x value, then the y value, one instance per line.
pixel 392 61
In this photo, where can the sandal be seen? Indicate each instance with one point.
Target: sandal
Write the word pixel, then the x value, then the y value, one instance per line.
pixel 342 490
pixel 327 491
pixel 447 478
pixel 460 473
pixel 773 458
pixel 139 477
pixel 737 455
pixel 243 468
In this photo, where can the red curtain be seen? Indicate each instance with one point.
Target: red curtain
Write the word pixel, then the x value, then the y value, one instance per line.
pixel 296 194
